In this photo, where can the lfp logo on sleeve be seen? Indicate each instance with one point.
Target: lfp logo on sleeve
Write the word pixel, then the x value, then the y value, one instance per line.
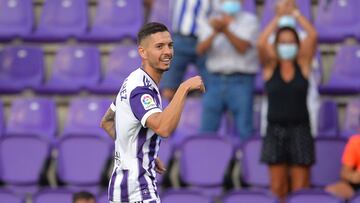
pixel 147 101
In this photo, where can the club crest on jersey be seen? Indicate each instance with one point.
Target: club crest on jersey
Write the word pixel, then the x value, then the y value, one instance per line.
pixel 147 101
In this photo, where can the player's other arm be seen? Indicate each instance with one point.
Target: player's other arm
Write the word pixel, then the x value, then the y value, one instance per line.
pixel 165 122
pixel 108 123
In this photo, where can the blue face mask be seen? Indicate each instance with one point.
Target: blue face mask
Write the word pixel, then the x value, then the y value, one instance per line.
pixel 231 7
pixel 287 51
pixel 287 21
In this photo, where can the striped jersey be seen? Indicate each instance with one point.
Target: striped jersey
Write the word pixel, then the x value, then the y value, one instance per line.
pixel 136 146
pixel 186 15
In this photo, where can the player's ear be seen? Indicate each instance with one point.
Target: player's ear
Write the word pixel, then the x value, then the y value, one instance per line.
pixel 142 52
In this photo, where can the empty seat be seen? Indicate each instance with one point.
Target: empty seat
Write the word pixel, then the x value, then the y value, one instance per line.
pixel 165 154
pixel 328 119
pixel 20 67
pixel 248 196
pixel 254 173
pixel 16 18
pixel 345 72
pixel 32 116
pixel 327 170
pixel 9 197
pixel 30 154
pixel 84 116
pixel 82 160
pixel 103 198
pixel 160 12
pixel 313 196
pixel 204 161
pixel 352 119
pixel 181 196
pixel 122 61
pixel 2 119
pixel 53 196
pixel 74 68
pixel 116 19
pixel 355 199
pixel 269 10
pixel 337 19
pixel 61 19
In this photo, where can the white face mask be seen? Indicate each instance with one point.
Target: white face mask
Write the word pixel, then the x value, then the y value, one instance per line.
pixel 287 21
pixel 287 51
pixel 231 7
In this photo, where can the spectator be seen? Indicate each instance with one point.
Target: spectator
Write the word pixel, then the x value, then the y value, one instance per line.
pixel 186 17
pixel 229 40
pixel 84 197
pixel 288 146
pixel 350 171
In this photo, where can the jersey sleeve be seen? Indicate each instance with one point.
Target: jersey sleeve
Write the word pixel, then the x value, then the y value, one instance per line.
pixel 113 105
pixel 144 102
pixel 350 156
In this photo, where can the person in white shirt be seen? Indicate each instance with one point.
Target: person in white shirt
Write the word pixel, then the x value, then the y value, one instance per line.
pixel 140 120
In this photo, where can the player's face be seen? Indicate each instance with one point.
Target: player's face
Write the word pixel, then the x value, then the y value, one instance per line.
pixel 158 51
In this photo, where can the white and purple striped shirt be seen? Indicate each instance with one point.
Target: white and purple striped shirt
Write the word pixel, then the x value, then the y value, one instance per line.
pixel 136 146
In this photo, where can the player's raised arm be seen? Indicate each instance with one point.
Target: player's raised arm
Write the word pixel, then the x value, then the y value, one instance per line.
pixel 164 123
pixel 108 123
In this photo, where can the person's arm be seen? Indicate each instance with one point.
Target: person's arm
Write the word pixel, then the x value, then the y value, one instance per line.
pixel 308 45
pixel 214 26
pixel 349 174
pixel 203 46
pixel 108 123
pixel 266 50
pixel 165 122
pixel 240 45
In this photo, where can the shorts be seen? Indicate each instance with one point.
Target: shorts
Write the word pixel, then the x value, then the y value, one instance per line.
pixel 289 144
pixel 145 201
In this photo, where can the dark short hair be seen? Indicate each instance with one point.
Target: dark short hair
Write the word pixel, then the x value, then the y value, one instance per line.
pixel 283 29
pixel 149 29
pixel 82 195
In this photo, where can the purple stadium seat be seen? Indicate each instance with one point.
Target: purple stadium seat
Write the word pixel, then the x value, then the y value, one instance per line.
pixel 254 172
pixel 61 19
pixel 355 199
pixel 2 119
pixel 345 73
pixel 181 196
pixel 165 154
pixel 78 165
pixel 84 116
pixel 327 170
pixel 160 12
pixel 339 14
pixel 249 196
pixel 16 18
pixel 204 161
pixel 352 119
pixel 103 198
pixel 122 61
pixel 269 10
pixel 53 196
pixel 312 196
pixel 116 19
pixel 20 67
pixel 9 197
pixel 328 119
pixel 33 116
pixel 30 154
pixel 75 68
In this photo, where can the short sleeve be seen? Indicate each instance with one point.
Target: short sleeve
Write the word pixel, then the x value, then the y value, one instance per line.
pixel 247 29
pixel 350 157
pixel 144 102
pixel 205 30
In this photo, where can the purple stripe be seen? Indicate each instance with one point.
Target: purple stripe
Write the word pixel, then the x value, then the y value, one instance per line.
pixel 152 150
pixel 144 189
pixel 112 182
pixel 154 201
pixel 124 187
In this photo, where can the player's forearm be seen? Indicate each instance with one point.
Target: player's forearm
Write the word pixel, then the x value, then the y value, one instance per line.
pixel 170 117
pixel 109 129
pixel 205 45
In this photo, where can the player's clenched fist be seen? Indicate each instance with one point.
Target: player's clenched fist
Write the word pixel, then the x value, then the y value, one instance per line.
pixel 194 83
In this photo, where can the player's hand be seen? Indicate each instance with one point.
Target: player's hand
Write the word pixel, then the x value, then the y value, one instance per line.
pixel 194 83
pixel 355 178
pixel 159 166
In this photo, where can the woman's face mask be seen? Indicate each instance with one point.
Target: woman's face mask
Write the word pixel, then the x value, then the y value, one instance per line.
pixel 287 51
pixel 231 7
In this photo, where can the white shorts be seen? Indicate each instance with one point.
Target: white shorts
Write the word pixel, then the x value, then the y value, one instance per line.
pixel 146 201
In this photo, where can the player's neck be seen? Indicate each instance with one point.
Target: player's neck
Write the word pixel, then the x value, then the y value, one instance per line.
pixel 153 73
